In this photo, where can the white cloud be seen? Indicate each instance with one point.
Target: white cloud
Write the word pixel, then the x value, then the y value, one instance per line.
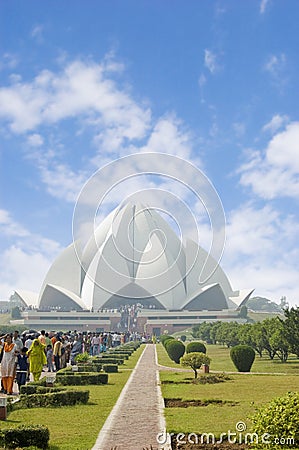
pixel 169 136
pixel 263 6
pixel 35 140
pixel 21 270
pixel 37 33
pixel 277 122
pixel 261 251
pixel 276 67
pixel 9 227
pixel 210 60
pixel 25 257
pixel 81 90
pixel 61 181
pixel 202 80
pixel 275 63
pixel 275 172
pixel 8 61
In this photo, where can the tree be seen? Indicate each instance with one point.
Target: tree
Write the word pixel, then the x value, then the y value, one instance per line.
pixel 213 331
pixel 243 312
pixel 202 331
pixel 259 337
pixel 195 360
pixel 15 313
pixel 269 328
pixel 291 328
pixel 279 342
pixel 227 333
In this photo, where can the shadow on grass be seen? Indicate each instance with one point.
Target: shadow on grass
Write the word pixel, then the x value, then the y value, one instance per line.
pixel 13 421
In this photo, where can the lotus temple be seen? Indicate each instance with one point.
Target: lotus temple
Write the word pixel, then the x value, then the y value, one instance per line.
pixel 133 273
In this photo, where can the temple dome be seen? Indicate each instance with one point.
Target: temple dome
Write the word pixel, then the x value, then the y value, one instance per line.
pixel 134 256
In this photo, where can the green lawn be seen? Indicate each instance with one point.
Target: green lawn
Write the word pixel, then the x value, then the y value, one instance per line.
pixel 245 391
pixel 220 361
pixel 77 427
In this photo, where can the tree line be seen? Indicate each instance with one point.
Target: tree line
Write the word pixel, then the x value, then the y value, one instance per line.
pixel 276 336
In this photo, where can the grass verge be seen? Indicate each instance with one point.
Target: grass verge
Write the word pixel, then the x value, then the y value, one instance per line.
pixel 77 427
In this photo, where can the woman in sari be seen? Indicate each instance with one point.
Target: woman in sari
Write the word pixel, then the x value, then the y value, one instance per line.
pixel 8 365
pixel 37 359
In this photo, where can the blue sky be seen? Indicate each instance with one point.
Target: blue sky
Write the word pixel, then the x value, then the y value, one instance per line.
pixel 212 82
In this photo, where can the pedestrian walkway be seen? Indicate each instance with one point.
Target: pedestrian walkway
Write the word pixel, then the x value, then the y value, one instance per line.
pixel 137 418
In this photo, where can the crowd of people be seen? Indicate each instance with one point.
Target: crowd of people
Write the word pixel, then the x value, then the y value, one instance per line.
pixel 34 353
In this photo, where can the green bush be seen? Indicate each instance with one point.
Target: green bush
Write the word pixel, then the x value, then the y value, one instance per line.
pixel 81 378
pixel 196 347
pixel 165 338
pixel 279 418
pixel 124 355
pixel 29 389
pixel 175 350
pixel 25 436
pixel 243 357
pixel 183 338
pixel 52 399
pixel 92 367
pixel 110 359
pixel 82 357
pixel 195 360
pixel 110 368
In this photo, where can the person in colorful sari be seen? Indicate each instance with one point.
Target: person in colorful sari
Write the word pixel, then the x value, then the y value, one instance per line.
pixel 8 365
pixel 37 359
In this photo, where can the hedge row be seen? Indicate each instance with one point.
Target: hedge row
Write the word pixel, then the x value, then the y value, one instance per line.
pixel 61 398
pixel 29 389
pixel 109 359
pixel 110 368
pixel 92 367
pixel 81 378
pixel 25 436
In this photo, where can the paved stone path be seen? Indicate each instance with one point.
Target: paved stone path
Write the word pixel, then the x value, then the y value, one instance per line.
pixel 137 417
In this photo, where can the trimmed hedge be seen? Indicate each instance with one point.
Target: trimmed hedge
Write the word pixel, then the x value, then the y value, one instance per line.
pixel 165 338
pixel 243 357
pixel 110 368
pixel 120 355
pixel 196 347
pixel 81 378
pixel 29 389
pixel 175 350
pixel 92 367
pixel 111 360
pixel 61 398
pixel 25 436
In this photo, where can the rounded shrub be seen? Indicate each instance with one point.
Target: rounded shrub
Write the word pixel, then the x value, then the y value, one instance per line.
pixel 242 356
pixel 279 419
pixel 165 338
pixel 175 350
pixel 196 347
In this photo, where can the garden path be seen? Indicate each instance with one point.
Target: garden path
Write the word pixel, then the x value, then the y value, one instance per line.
pixel 137 417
